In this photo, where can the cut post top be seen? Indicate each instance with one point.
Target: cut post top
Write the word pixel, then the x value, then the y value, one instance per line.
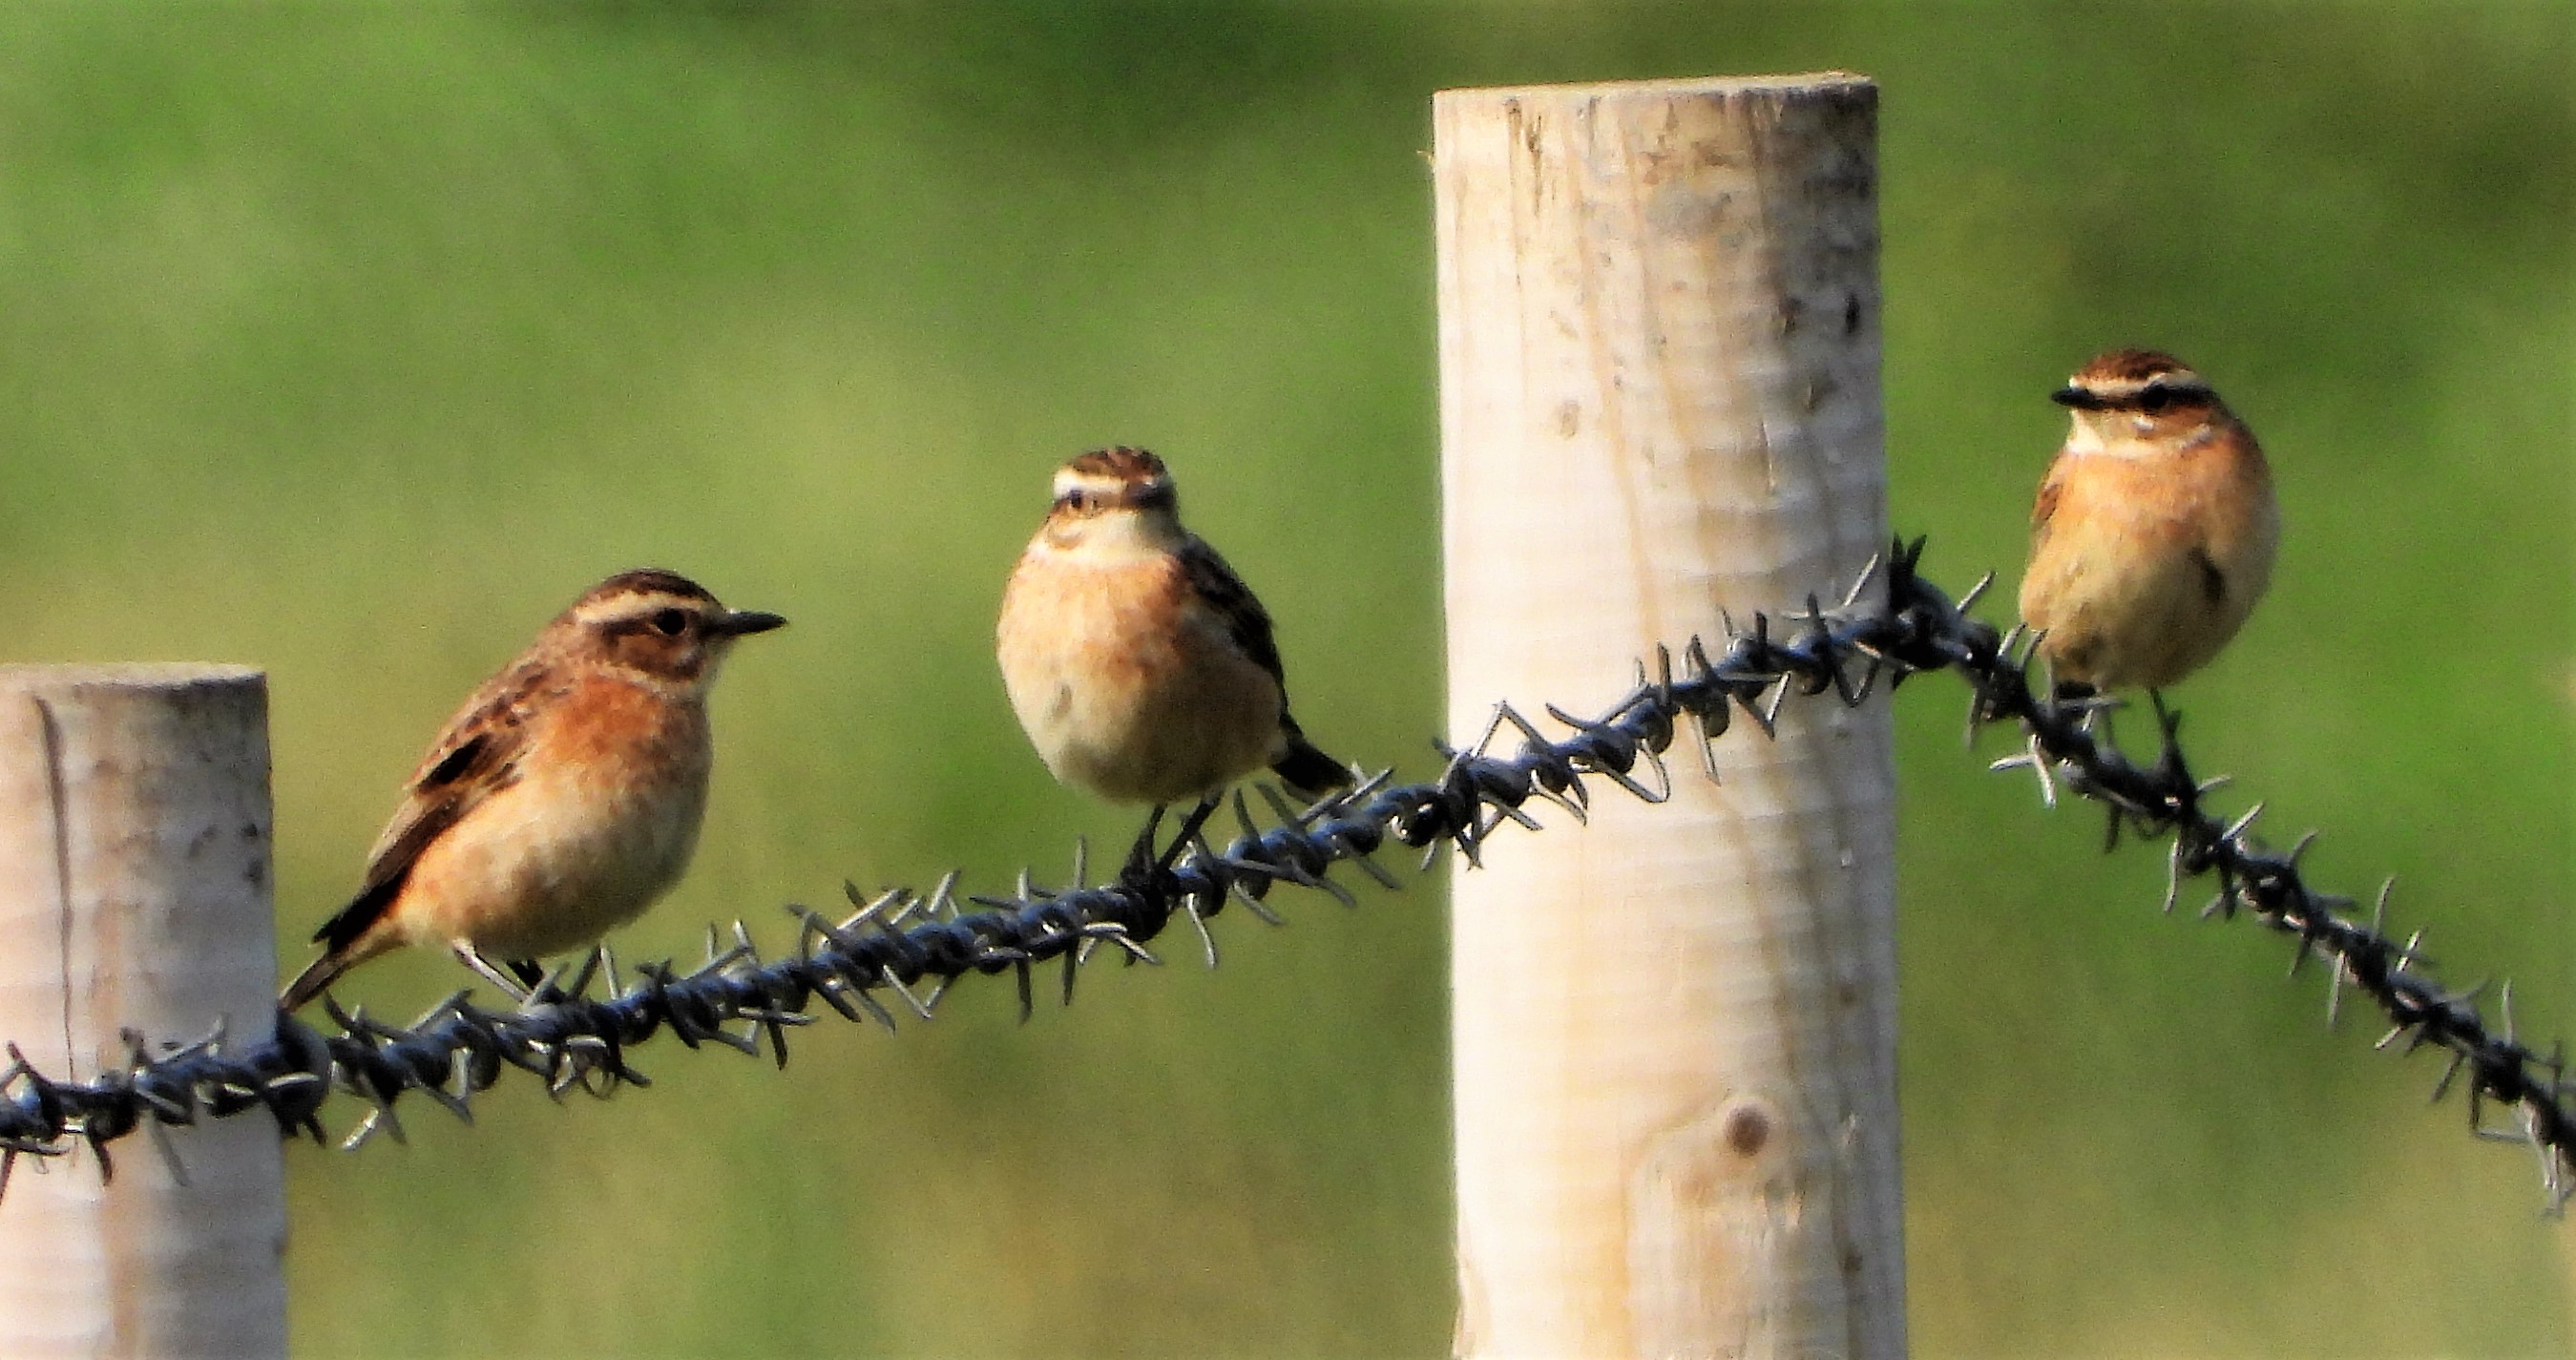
pixel 1716 87
pixel 123 675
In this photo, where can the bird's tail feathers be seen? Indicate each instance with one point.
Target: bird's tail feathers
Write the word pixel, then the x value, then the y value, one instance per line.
pixel 317 975
pixel 1308 772
pixel 348 939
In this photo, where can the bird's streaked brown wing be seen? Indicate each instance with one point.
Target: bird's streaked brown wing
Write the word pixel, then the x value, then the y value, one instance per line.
pixel 2042 508
pixel 1223 591
pixel 475 756
pixel 1306 769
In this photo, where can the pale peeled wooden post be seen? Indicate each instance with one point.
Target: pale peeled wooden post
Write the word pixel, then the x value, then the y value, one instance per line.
pixel 134 893
pixel 1675 1028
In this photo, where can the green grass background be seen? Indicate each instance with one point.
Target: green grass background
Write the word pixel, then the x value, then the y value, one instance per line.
pixel 354 341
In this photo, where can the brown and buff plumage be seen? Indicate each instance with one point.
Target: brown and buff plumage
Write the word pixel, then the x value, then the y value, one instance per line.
pixel 562 799
pixel 1139 664
pixel 2154 532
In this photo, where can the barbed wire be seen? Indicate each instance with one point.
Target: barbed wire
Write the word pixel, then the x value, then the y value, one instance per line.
pixel 866 964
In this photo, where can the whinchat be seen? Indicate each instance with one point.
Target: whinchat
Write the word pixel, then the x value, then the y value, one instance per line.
pixel 562 799
pixel 2155 528
pixel 1141 667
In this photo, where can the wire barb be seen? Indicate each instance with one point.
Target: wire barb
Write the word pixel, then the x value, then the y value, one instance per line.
pixel 577 1030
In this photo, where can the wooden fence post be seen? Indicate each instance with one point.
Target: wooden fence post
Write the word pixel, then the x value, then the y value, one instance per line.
pixel 1675 1028
pixel 134 893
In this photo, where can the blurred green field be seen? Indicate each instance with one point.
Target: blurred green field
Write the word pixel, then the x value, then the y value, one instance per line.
pixel 354 341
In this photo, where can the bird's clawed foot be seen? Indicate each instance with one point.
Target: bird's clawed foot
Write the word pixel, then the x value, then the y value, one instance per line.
pixel 1189 833
pixel 1142 858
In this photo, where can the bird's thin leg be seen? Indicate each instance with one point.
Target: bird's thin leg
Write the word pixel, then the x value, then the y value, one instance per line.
pixel 2073 692
pixel 1140 856
pixel 473 958
pixel 1189 832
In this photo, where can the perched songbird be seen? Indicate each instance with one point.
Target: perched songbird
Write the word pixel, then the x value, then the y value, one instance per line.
pixel 1139 664
pixel 2154 532
pixel 562 799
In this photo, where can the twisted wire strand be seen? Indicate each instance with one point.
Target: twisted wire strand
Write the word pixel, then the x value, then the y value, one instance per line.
pixel 865 964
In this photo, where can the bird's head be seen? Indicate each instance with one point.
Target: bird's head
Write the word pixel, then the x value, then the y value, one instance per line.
pixel 2140 402
pixel 1114 499
pixel 659 624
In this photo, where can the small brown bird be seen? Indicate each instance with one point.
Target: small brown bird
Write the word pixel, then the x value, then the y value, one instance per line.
pixel 562 799
pixel 1141 667
pixel 2155 528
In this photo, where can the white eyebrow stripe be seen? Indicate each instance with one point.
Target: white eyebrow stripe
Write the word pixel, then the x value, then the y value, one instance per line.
pixel 1070 479
pixel 2172 380
pixel 636 607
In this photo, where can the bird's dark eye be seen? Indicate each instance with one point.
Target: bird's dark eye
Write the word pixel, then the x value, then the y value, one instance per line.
pixel 670 622
pixel 1079 502
pixel 2155 398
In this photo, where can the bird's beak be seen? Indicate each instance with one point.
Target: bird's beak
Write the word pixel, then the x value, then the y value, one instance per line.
pixel 742 621
pixel 2076 397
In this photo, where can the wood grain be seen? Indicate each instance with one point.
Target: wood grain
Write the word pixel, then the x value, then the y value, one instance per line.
pixel 135 891
pixel 1674 1028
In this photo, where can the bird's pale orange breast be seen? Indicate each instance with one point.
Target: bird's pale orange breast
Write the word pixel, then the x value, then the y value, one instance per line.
pixel 2144 566
pixel 1127 682
pixel 2219 491
pixel 1116 624
pixel 601 819
pixel 614 729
